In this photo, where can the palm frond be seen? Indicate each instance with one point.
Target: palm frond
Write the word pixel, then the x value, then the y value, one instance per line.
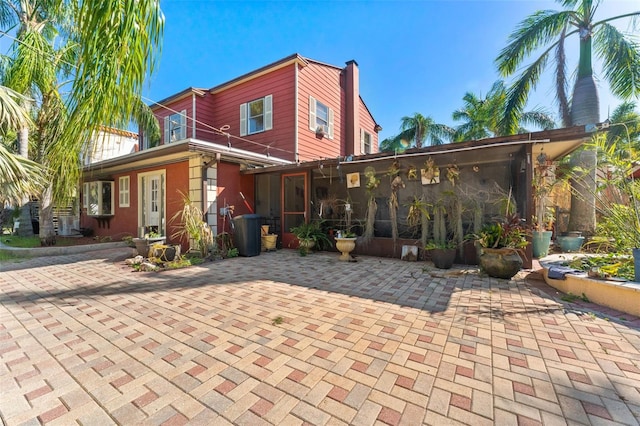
pixel 538 117
pixel 12 114
pixel 19 177
pixel 532 33
pixel 518 94
pixel 621 60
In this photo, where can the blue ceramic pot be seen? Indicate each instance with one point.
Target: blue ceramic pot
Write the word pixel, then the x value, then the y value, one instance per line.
pixel 570 244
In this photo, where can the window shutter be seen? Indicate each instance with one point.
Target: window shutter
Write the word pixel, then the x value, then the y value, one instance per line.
pixel 330 123
pixel 312 113
pixel 167 136
pixel 362 147
pixel 243 119
pixel 268 112
pixel 183 124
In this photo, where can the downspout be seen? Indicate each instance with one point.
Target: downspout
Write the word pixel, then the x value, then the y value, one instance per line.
pixel 297 130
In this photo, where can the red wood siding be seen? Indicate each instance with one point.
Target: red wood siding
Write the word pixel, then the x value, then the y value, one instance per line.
pixel 368 125
pixel 323 83
pixel 226 111
pixel 205 118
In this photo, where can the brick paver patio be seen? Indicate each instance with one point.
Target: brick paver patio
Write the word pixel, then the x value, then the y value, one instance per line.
pixel 287 340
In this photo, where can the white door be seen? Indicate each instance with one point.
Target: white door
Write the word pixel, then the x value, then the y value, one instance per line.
pixel 152 203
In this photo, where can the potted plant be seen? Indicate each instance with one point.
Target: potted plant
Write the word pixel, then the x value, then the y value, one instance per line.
pixel 442 254
pixel 543 181
pixel 501 244
pixel 144 244
pixel 310 235
pixel 345 244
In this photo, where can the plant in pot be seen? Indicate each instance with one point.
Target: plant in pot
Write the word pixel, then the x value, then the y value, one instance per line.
pixel 442 254
pixel 543 181
pixel 345 244
pixel 501 244
pixel 310 235
pixel 150 237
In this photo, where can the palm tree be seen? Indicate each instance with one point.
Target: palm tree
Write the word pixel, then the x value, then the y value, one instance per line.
pixel 106 49
pixel 419 128
pixel 481 117
pixel 548 30
pixel 19 177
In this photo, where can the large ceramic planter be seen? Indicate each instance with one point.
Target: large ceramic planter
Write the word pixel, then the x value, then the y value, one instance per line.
pixel 443 258
pixel 345 246
pixel 500 263
pixel 570 244
pixel 540 241
pixel 143 245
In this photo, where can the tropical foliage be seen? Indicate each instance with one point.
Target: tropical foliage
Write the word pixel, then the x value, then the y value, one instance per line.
pixel 546 32
pixel 415 130
pixel 101 52
pixel 481 116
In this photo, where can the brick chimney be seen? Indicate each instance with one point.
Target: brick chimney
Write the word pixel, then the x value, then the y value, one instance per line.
pixel 352 109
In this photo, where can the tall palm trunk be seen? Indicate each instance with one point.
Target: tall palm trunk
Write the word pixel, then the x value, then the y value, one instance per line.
pixel 585 109
pixel 26 228
pixel 47 231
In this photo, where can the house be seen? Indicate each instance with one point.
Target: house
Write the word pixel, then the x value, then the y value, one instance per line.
pixel 291 111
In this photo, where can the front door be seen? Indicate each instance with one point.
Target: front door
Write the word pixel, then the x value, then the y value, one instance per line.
pixel 152 203
pixel 295 204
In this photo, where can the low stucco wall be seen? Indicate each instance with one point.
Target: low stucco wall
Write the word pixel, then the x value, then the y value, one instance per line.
pixel 61 251
pixel 622 296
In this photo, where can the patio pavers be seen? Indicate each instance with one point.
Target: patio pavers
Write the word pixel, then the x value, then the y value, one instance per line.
pixel 284 339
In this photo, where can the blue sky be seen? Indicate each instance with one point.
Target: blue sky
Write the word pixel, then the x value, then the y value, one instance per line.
pixel 414 56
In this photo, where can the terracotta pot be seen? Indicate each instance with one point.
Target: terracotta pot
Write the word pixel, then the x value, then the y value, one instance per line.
pixel 500 263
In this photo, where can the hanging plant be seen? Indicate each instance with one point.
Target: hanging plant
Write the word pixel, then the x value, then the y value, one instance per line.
pixel 394 169
pixel 453 174
pixel 412 173
pixel 372 206
pixel 372 180
pixel 396 184
pixel 430 172
pixel 417 209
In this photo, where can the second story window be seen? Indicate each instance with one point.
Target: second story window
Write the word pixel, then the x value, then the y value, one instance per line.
pixel 175 127
pixel 256 116
pixel 320 118
pixel 365 142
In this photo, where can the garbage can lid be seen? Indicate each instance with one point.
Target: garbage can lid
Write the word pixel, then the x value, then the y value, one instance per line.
pixel 248 216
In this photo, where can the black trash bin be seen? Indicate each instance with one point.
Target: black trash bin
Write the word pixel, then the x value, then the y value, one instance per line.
pixel 246 236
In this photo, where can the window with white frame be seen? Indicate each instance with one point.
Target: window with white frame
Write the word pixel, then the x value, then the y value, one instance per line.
pixel 123 191
pixel 365 142
pixel 175 127
pixel 256 116
pixel 98 198
pixel 320 118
